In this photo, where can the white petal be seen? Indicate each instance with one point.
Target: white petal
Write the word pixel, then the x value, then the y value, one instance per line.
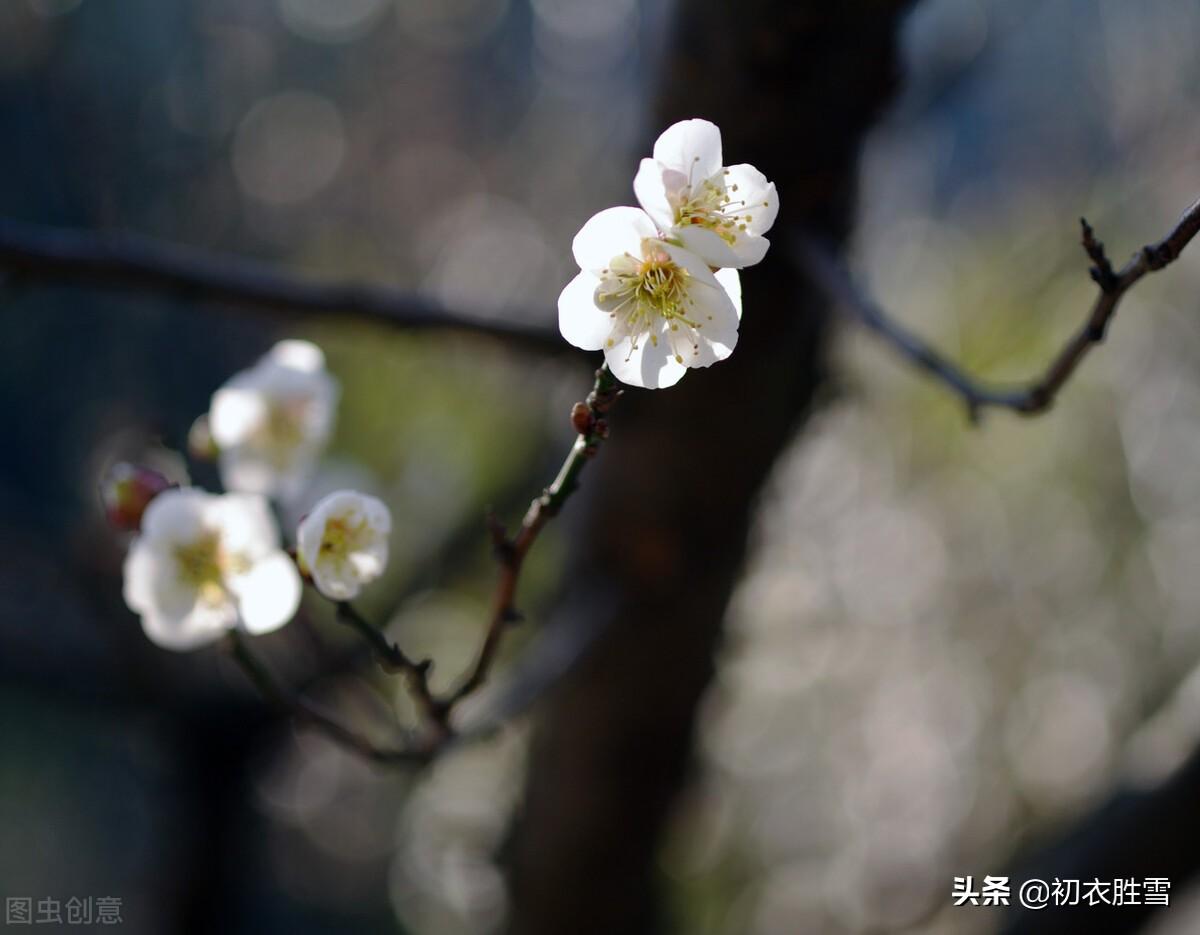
pixel 379 517
pixel 650 366
pixel 581 322
pixel 692 147
pixel 697 267
pixel 759 195
pixel 651 192
pixel 715 310
pixel 237 411
pixel 708 245
pixel 175 515
pixel 749 250
pixel 200 625
pixel 268 594
pixel 298 355
pixel 609 234
pixel 142 566
pixel 338 581
pixel 244 470
pixel 246 524
pixel 731 282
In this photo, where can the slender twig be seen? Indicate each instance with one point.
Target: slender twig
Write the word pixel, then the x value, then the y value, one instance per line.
pixel 305 711
pixel 1031 398
pixel 393 659
pixel 32 253
pixel 590 419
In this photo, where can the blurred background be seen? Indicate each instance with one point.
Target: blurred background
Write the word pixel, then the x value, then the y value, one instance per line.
pixel 950 644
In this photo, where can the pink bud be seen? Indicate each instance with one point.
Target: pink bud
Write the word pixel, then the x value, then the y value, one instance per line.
pixel 127 490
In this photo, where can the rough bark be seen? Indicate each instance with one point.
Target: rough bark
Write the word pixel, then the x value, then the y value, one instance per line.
pixel 794 86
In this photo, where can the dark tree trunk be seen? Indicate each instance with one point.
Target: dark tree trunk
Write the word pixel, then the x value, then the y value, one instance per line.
pixel 794 86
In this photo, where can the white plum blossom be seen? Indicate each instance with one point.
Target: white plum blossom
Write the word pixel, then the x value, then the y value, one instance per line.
pixel 272 421
pixel 719 213
pixel 343 543
pixel 205 564
pixel 655 308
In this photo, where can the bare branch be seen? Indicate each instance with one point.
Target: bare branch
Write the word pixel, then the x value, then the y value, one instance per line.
pixel 304 711
pixel 393 659
pixel 1028 399
pixel 590 419
pixel 32 253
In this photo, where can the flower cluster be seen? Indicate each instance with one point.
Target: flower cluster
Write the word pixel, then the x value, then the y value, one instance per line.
pixel 658 287
pixel 203 564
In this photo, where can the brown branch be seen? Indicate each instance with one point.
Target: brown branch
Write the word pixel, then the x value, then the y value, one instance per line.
pixel 393 659
pixel 122 261
pixel 590 419
pixel 305 711
pixel 1037 396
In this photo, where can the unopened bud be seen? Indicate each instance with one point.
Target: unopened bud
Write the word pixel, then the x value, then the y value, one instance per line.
pixel 127 490
pixel 581 418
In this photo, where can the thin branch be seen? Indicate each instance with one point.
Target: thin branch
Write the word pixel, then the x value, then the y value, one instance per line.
pixel 1028 399
pixel 393 659
pixel 122 261
pixel 590 419
pixel 304 711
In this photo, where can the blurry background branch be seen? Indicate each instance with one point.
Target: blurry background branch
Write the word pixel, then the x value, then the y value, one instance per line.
pixel 34 253
pixel 1036 397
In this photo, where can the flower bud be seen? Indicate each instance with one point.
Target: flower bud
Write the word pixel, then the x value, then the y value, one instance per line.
pixel 581 418
pixel 127 490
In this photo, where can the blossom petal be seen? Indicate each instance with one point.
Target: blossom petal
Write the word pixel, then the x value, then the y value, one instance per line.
pixel 692 147
pixel 142 569
pixel 175 515
pixel 269 594
pixel 708 245
pixel 651 365
pixel 236 412
pixel 731 282
pixel 651 190
pixel 759 195
pixel 247 525
pixel 581 322
pixel 719 326
pixel 201 624
pixel 609 234
pixel 338 581
pixel 298 355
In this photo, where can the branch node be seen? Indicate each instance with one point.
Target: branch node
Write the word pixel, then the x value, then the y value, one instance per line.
pixel 502 546
pixel 1157 256
pixel 1102 272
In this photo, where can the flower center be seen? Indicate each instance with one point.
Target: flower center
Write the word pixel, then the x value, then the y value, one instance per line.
pixel 341 537
pixel 283 430
pixel 640 295
pixel 203 564
pixel 714 206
